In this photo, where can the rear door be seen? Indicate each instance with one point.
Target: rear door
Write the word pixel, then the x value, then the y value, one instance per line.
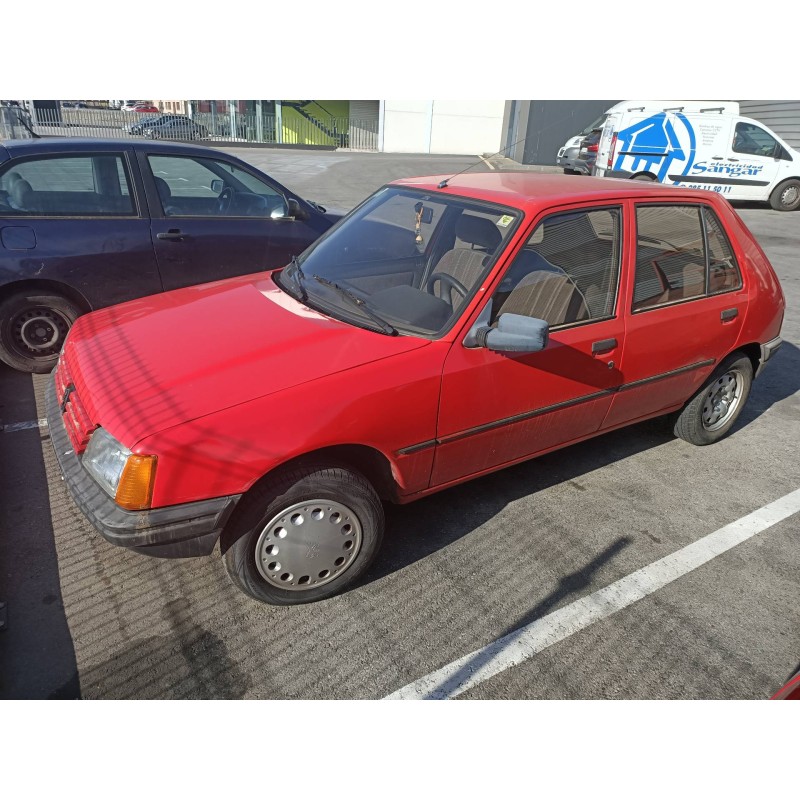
pixel 686 307
pixel 78 219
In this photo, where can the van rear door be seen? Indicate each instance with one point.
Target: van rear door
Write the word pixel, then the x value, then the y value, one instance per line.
pixel 605 147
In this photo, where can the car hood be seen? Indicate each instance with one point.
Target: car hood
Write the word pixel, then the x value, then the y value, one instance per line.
pixel 150 364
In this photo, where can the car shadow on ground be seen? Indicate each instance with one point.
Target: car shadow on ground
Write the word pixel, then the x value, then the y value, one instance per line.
pixel 417 530
pixel 37 657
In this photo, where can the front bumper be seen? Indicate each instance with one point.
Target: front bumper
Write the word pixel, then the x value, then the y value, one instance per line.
pixel 181 531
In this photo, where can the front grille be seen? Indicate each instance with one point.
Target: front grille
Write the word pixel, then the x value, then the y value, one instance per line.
pixel 76 421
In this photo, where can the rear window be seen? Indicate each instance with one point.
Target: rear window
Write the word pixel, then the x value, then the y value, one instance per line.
pixel 85 185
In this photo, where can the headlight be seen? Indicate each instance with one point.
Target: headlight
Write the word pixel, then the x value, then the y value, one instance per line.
pixel 126 477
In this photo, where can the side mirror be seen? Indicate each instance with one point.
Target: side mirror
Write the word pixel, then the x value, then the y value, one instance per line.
pixel 514 333
pixel 217 185
pixel 296 210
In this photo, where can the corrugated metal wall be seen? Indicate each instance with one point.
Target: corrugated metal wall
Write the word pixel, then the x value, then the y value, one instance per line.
pixel 781 116
pixel 552 122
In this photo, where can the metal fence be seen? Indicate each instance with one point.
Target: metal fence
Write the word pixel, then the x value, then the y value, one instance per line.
pixel 340 132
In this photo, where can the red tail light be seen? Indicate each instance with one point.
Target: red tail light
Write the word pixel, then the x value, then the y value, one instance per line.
pixel 611 151
pixel 592 148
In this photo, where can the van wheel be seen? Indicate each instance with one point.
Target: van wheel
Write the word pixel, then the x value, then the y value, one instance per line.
pixel 304 536
pixel 644 176
pixel 710 414
pixel 786 196
pixel 33 328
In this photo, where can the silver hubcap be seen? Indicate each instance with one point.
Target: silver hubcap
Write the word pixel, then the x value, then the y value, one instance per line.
pixel 308 545
pixel 721 400
pixel 790 195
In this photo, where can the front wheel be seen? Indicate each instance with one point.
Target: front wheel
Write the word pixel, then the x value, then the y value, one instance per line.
pixel 711 413
pixel 33 328
pixel 304 536
pixel 786 196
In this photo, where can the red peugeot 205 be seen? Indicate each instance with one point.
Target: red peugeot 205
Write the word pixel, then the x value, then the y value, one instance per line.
pixel 445 329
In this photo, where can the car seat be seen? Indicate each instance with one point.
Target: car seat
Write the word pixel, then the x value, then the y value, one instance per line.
pixel 466 265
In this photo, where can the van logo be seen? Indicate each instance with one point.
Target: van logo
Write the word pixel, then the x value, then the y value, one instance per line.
pixel 658 144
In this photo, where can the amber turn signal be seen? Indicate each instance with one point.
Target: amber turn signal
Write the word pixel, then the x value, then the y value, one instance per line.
pixel 135 489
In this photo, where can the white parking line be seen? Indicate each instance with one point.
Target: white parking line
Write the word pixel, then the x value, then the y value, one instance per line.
pixel 526 642
pixel 23 426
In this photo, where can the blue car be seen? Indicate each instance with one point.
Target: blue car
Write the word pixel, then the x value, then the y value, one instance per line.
pixel 87 223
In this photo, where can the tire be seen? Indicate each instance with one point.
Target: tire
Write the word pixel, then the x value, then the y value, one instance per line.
pixel 26 345
pixel 644 176
pixel 786 196
pixel 313 530
pixel 712 412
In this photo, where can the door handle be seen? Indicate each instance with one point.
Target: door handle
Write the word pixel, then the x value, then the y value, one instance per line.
pixel 603 346
pixel 173 234
pixel 716 158
pixel 729 313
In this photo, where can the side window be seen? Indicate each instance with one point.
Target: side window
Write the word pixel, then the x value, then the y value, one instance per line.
pixel 205 187
pixel 69 186
pixel 753 140
pixel 670 255
pixel 568 270
pixel 723 271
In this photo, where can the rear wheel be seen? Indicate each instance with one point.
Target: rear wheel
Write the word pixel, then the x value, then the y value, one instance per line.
pixel 786 196
pixel 304 536
pixel 711 413
pixel 33 328
pixel 644 176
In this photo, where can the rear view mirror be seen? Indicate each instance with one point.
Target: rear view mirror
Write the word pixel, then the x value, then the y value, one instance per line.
pixel 425 213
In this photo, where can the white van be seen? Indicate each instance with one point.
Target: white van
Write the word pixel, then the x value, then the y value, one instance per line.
pixel 699 145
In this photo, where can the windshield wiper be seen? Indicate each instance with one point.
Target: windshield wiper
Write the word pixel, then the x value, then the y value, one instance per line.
pixel 299 277
pixel 357 301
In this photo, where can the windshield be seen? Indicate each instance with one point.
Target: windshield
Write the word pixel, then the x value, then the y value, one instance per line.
pixel 404 261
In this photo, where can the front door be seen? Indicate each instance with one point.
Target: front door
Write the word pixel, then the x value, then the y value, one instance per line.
pixel 498 408
pixel 212 220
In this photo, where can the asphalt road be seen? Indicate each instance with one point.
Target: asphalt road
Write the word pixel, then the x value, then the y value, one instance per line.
pixel 458 570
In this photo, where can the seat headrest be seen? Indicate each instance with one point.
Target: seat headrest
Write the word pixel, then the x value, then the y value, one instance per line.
pixel 20 194
pixel 478 231
pixel 11 179
pixel 164 192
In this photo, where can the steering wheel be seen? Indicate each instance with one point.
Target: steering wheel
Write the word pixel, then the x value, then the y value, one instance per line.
pixel 225 200
pixel 447 280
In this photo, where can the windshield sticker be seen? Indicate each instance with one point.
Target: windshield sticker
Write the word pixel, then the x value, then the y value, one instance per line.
pixel 505 220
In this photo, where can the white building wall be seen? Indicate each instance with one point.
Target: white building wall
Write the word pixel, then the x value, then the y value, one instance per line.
pixel 468 127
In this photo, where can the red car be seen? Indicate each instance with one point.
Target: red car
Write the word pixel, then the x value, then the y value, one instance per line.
pixel 149 109
pixel 446 328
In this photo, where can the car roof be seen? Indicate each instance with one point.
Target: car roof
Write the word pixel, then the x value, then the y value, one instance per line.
pixel 17 148
pixel 531 190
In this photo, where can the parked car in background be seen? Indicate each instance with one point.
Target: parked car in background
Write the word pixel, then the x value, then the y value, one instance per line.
pixel 146 108
pixel 587 154
pixel 130 105
pixel 168 126
pixel 86 223
pixel 448 327
pixel 569 155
